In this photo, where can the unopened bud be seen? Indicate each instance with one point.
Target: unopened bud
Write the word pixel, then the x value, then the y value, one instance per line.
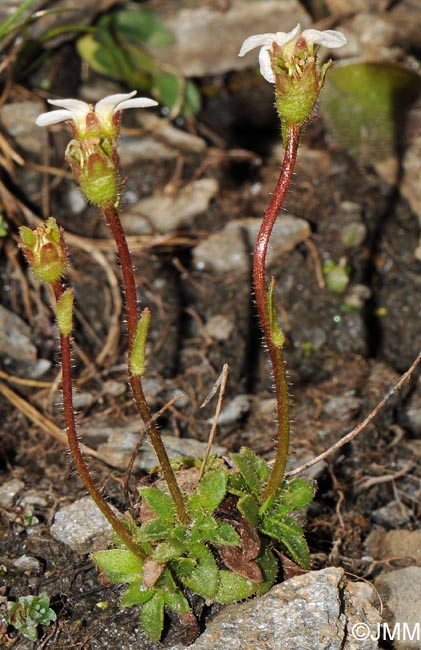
pixel 45 250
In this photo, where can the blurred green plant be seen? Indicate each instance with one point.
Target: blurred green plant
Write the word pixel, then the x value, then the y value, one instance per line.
pixel 28 612
pixel 117 48
pixel 3 226
pixel 337 275
pixel 364 106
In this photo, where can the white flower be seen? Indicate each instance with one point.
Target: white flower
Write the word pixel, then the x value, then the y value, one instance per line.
pixel 328 38
pixel 77 111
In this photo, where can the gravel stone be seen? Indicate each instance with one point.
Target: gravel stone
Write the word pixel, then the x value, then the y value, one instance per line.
pixel 82 526
pixel 9 491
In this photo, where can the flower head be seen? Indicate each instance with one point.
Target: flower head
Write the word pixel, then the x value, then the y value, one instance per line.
pixel 288 41
pixel 86 119
pixel 289 60
pixel 92 153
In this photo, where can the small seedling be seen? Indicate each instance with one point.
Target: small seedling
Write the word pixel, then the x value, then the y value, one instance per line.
pixel 28 613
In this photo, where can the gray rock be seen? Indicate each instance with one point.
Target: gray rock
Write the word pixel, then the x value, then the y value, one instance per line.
pixel 394 514
pixel 400 591
pixel 27 563
pixel 404 545
pixel 208 40
pixel 219 327
pixel 162 130
pixel 410 416
pixel 167 213
pixel 229 250
pixel 9 492
pixel 16 347
pixel 82 526
pixel 18 119
pixel 342 408
pixel 308 612
pixel 119 447
pixel 222 253
pixel 234 410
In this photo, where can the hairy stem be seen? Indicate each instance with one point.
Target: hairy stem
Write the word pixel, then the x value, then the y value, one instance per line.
pixel 73 441
pixel 275 352
pixel 114 222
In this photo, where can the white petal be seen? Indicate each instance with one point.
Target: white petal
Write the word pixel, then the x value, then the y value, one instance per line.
pixel 266 65
pixel 107 106
pixel 53 117
pixel 75 106
pixel 136 102
pixel 281 38
pixel 257 40
pixel 329 38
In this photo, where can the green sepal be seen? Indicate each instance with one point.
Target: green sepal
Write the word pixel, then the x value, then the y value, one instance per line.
pixel 169 550
pixel 209 493
pixel 247 505
pixel 136 594
pixel 119 565
pixel 290 533
pixel 253 469
pixel 204 578
pixel 137 357
pixel 64 312
pixel 276 334
pixel 161 503
pixel 152 616
pixel 28 236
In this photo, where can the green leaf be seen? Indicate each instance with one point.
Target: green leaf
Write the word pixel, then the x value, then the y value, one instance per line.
pixel 152 616
pixel 136 594
pixel 233 587
pixel 299 493
pixel 291 535
pixel 154 530
pixel 183 566
pixel 237 484
pixel 167 89
pixel 210 492
pixel 225 535
pixel 161 503
pixel 118 564
pixel 270 568
pixel 247 505
pixel 204 577
pixel 277 335
pixel 144 27
pixel 254 470
pixel 192 99
pixel 177 602
pixel 169 550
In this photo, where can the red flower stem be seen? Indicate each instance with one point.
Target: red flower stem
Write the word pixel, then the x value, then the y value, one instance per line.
pixel 114 222
pixel 81 467
pixel 275 352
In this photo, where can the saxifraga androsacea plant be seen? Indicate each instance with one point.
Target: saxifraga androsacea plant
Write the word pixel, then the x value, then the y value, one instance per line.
pixel 210 533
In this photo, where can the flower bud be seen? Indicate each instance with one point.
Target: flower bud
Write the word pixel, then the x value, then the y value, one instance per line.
pixel 45 250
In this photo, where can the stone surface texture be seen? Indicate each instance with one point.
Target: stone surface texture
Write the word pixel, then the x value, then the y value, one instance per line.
pixel 82 526
pixel 400 591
